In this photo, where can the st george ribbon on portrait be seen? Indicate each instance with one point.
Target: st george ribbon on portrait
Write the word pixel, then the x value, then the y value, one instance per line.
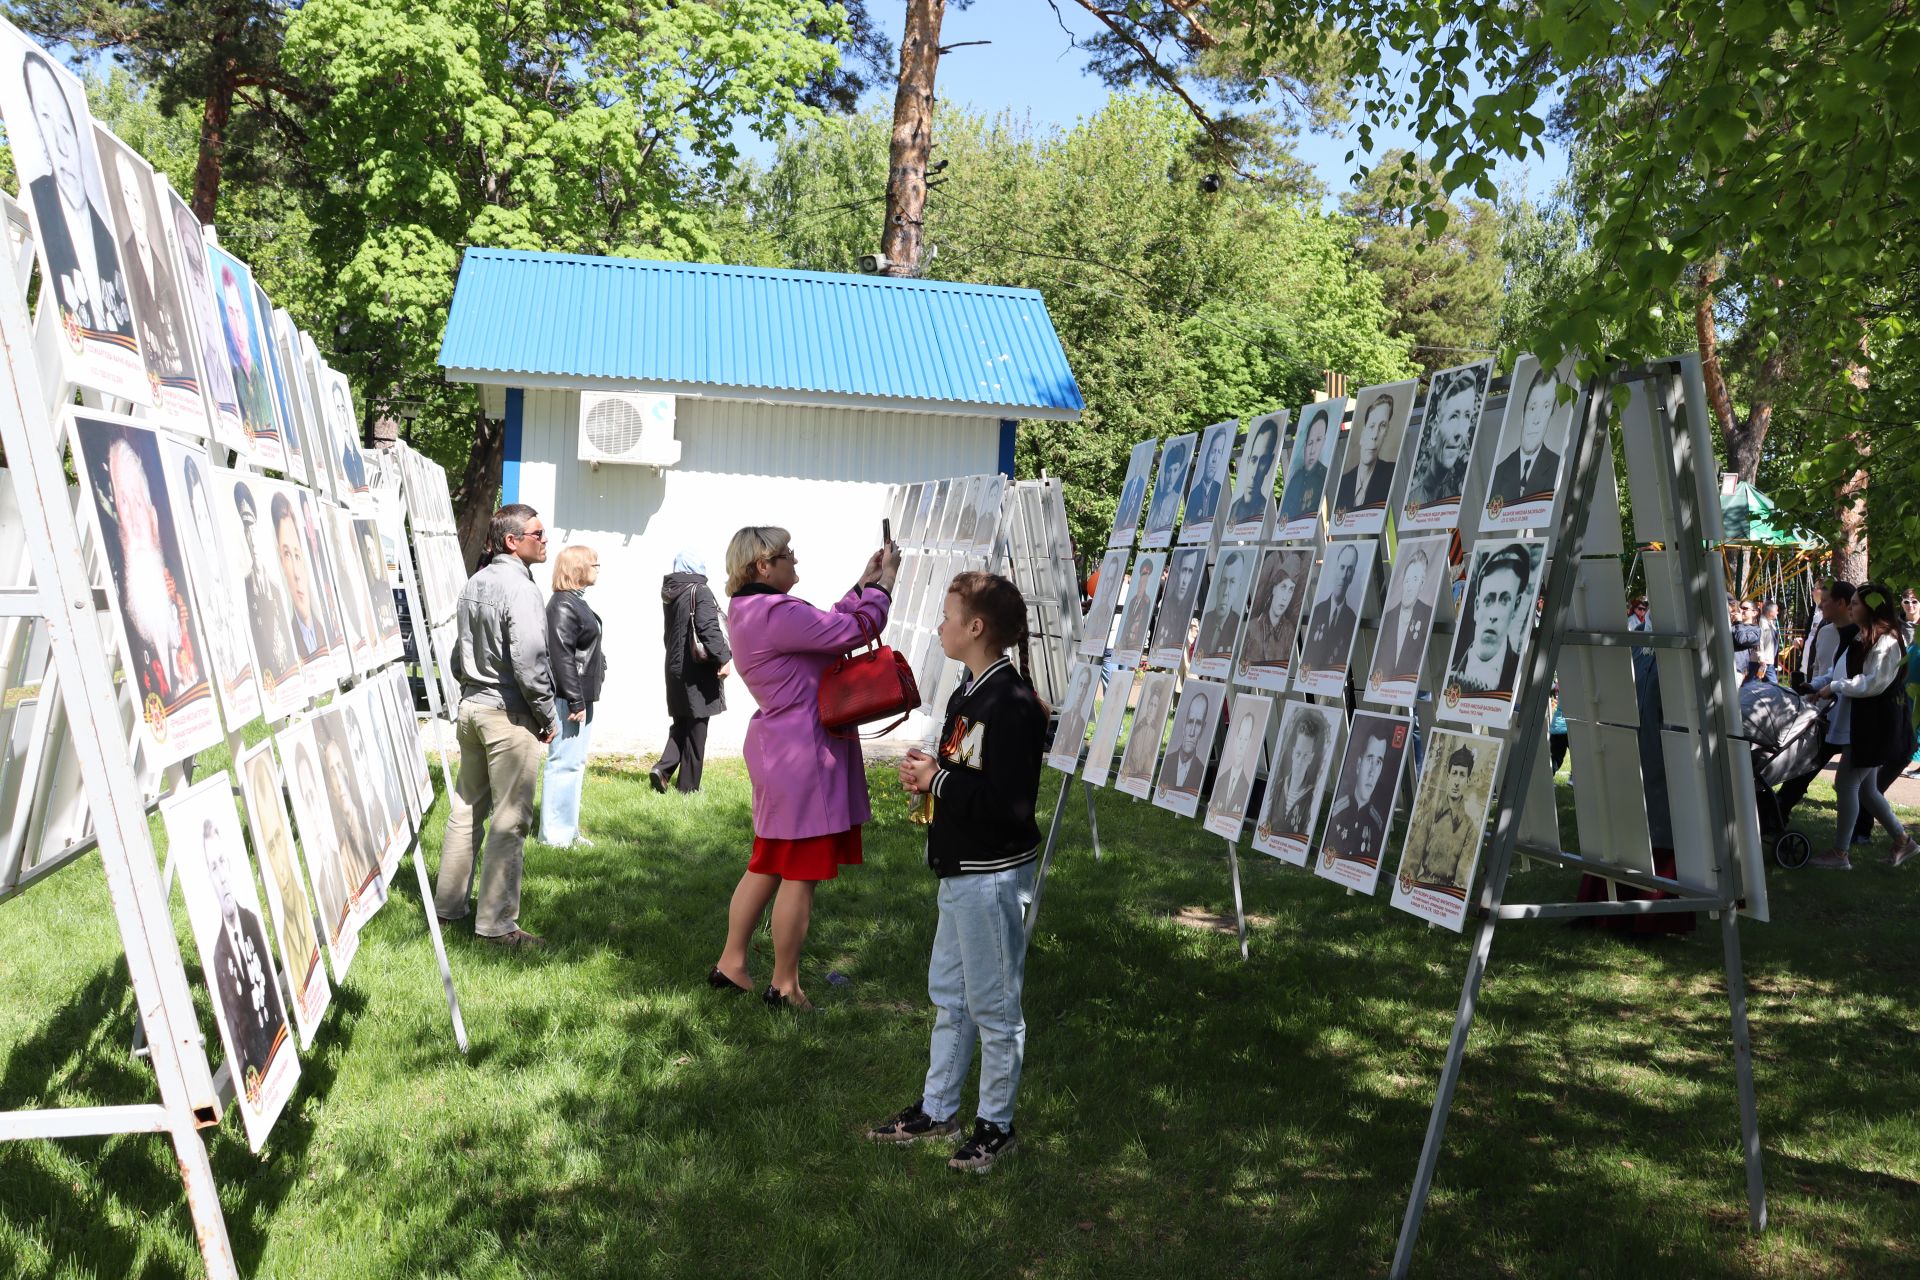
pixel 161 639
pixel 1449 431
pixel 1444 831
pixel 1304 752
pixel 1495 631
pixel 216 881
pixel 1372 459
pixel 85 295
pixel 1363 801
pixel 244 340
pixel 1224 611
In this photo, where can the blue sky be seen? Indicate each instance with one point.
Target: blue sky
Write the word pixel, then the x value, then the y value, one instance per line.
pixel 1033 69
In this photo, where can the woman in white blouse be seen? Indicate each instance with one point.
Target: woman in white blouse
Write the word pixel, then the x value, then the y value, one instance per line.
pixel 1869 720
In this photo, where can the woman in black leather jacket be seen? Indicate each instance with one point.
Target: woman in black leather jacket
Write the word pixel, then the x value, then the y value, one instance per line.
pixel 696 691
pixel 579 664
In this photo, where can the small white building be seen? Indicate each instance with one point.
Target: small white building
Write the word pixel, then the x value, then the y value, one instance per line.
pixel 652 407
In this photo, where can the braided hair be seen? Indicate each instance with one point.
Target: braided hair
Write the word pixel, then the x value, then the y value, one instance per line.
pixel 1002 611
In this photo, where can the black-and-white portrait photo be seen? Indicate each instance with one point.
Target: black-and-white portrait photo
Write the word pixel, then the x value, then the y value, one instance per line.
pixel 1413 593
pixel 216 880
pixel 1209 481
pixel 160 633
pixel 986 515
pixel 320 845
pixel 1133 493
pixel 1176 460
pixel 1225 609
pixel 254 562
pixel 1326 646
pixel 222 610
pixel 1253 481
pixel 1297 782
pixel 350 577
pixel 1186 571
pixel 1143 588
pixel 216 374
pixel 1445 827
pixel 1445 451
pixel 1107 726
pixel 1143 740
pixel 1363 798
pixel 1531 449
pixel 1496 624
pixel 1076 709
pixel 332 630
pixel 959 512
pixel 1273 618
pixel 159 311
pixel 1195 726
pixel 355 821
pixel 372 555
pixel 1239 769
pixel 1313 447
pixel 907 531
pixel 1380 417
pixel 50 132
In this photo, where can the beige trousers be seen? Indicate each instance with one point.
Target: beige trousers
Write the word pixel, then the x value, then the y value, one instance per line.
pixel 500 755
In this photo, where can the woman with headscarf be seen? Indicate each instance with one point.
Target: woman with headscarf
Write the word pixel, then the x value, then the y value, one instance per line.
pixel 697 658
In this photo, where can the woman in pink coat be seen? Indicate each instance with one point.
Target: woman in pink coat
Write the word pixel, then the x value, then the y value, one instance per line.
pixel 809 788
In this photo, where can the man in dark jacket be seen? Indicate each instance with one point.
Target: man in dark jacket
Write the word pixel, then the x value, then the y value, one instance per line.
pixel 697 661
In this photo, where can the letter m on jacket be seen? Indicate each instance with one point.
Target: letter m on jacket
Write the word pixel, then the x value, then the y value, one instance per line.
pixel 966 744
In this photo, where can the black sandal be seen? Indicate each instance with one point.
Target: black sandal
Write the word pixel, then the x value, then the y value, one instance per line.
pixel 777 999
pixel 721 982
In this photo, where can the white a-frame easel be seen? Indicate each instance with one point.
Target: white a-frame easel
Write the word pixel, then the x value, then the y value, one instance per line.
pixel 61 597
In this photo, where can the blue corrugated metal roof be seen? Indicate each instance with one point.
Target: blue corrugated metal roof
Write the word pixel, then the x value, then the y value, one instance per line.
pixel 696 323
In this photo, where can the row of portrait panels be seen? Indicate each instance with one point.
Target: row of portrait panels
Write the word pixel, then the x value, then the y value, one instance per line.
pixel 234 595
pixel 1325 489
pixel 1276 768
pixel 1279 618
pixel 359 786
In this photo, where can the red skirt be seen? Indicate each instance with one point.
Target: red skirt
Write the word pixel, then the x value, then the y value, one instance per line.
pixel 809 858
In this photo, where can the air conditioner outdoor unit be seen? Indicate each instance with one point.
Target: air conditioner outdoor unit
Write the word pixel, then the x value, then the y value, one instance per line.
pixel 628 427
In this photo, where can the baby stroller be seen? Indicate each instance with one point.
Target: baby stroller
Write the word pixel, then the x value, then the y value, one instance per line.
pixel 1786 732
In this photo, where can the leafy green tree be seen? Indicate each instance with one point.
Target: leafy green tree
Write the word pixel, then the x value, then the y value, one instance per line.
pixel 1443 288
pixel 1180 300
pixel 581 127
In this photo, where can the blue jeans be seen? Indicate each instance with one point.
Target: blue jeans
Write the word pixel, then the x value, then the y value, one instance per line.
pixel 974 979
pixel 566 773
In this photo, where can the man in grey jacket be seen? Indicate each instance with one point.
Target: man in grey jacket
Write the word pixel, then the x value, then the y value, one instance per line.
pixel 506 718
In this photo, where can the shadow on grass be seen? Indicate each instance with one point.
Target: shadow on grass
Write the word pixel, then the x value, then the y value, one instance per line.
pixel 1182 1113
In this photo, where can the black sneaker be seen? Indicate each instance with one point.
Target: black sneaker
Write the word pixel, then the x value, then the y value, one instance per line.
pixel 988 1143
pixel 913 1124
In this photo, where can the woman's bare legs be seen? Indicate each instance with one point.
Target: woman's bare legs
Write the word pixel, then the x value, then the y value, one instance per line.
pixel 792 912
pixel 750 898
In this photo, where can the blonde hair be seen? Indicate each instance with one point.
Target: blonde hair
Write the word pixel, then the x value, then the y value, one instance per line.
pixel 753 543
pixel 571 568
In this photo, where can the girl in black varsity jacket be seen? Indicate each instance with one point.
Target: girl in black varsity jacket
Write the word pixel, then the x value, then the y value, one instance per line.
pixel 981 843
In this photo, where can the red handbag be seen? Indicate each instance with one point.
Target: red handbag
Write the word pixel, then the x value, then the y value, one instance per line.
pixel 867 684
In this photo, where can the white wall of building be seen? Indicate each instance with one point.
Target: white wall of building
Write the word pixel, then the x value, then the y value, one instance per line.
pixel 819 472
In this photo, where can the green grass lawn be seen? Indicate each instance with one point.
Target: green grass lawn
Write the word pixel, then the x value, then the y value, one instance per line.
pixel 1183 1114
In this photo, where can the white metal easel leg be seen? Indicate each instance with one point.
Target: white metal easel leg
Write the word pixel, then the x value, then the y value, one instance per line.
pixel 1093 819
pixel 1743 1070
pixel 1046 857
pixel 1239 910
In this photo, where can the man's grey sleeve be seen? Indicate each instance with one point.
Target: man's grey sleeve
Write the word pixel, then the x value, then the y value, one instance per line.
pixel 527 647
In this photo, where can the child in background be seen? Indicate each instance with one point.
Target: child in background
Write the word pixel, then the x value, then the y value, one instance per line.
pixel 981 843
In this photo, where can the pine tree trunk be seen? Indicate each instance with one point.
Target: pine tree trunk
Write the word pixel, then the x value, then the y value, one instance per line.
pixel 215 113
pixel 902 238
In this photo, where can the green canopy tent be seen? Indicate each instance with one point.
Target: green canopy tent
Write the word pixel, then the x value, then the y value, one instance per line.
pixel 1767 556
